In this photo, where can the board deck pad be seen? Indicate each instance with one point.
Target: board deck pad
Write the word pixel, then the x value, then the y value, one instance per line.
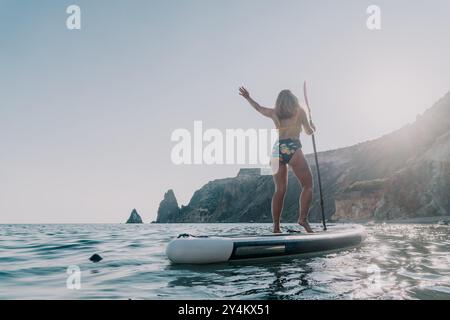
pixel 294 231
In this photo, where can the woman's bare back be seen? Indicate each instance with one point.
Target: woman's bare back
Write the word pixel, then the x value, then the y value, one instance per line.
pixel 292 127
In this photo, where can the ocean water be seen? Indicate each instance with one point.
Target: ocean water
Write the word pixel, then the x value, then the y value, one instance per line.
pixel 395 262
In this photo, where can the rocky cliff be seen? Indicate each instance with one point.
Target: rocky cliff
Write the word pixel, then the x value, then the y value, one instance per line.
pixel 401 175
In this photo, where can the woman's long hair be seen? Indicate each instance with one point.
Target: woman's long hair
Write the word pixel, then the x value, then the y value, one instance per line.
pixel 287 105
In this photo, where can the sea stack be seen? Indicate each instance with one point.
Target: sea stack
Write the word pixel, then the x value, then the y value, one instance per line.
pixel 134 217
pixel 168 210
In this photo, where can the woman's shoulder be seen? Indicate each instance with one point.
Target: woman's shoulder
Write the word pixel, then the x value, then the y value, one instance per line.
pixel 301 114
pixel 301 110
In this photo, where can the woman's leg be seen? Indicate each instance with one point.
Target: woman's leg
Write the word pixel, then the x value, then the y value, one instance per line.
pixel 303 172
pixel 280 179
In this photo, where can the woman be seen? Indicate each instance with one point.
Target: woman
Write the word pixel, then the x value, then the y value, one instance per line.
pixel 289 118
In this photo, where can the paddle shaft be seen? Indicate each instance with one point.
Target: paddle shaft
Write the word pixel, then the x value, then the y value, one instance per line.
pixel 320 182
pixel 317 160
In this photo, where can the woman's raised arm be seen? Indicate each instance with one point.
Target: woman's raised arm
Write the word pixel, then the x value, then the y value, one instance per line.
pixel 268 112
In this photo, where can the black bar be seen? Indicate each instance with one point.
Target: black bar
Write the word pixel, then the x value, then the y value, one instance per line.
pixel 219 309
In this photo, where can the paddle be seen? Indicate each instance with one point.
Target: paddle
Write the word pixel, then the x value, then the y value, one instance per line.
pixel 315 156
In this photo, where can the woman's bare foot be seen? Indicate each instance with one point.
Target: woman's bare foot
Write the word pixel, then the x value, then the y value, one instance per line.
pixel 276 229
pixel 306 225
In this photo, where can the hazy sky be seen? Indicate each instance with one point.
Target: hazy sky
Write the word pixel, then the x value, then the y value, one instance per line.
pixel 86 115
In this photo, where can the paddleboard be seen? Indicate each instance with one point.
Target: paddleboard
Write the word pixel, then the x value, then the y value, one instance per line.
pixel 190 249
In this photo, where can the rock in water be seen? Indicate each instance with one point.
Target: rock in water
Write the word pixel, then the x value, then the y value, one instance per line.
pixel 168 210
pixel 134 217
pixel 95 258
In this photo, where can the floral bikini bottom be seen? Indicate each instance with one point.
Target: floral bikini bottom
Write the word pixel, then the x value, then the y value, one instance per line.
pixel 284 149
